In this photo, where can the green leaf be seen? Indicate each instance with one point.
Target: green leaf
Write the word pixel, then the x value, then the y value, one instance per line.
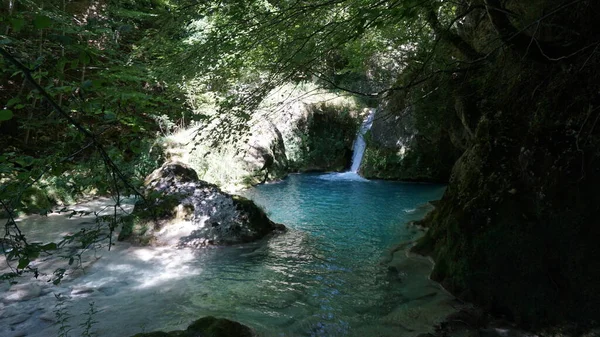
pixel 23 262
pixel 17 23
pixel 13 101
pixel 62 39
pixel 6 115
pixel 49 246
pixel 84 57
pixel 97 84
pixel 135 146
pixel 109 116
pixel 41 22
pixel 34 253
pixel 24 161
pixel 60 65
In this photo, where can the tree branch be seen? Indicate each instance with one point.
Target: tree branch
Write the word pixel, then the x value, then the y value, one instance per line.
pixel 447 35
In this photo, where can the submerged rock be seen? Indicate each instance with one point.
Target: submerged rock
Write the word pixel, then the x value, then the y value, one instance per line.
pixel 21 292
pixel 182 210
pixel 206 327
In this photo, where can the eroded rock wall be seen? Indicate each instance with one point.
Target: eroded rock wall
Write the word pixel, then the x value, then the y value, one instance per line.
pixel 517 229
pixel 400 146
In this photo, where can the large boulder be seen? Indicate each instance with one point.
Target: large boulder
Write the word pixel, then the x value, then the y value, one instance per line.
pixel 179 209
pixel 206 327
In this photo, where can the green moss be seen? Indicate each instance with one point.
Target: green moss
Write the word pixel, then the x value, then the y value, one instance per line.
pixel 325 139
pixel 422 160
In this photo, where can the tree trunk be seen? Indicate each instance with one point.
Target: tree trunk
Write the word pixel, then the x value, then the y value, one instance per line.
pixel 448 36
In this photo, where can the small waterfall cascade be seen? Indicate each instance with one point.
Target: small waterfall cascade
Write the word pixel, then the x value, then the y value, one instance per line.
pixel 360 144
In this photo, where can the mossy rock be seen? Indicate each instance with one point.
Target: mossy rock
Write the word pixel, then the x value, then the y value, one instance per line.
pixel 516 231
pixel 423 161
pixel 255 215
pixel 206 327
pixel 179 209
pixel 218 327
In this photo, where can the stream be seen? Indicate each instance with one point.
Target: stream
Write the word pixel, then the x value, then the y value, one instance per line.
pixel 330 274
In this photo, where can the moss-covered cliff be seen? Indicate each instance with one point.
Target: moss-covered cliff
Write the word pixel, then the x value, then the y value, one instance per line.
pixel 324 138
pixel 517 229
pixel 415 139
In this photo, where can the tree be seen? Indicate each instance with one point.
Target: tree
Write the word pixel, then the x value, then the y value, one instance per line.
pixel 79 110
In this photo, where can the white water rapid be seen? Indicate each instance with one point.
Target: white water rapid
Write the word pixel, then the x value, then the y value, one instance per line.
pixel 359 143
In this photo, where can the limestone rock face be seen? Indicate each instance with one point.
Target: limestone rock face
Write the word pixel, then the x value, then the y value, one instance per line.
pixel 399 148
pixel 182 210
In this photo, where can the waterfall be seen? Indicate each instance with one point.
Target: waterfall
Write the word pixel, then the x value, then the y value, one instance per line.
pixel 359 143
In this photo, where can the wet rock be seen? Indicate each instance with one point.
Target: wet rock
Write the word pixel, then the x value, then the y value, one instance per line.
pixel 48 316
pixel 399 150
pixel 206 327
pixel 182 210
pixel 18 319
pixel 470 316
pixel 82 291
pixel 217 327
pixel 108 291
pixel 22 292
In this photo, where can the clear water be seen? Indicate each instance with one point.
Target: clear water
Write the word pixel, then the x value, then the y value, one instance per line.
pixel 324 277
pixel 329 265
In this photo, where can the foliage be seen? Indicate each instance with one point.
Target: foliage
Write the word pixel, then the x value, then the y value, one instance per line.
pixel 87 126
pixel 231 51
pixel 62 316
pixel 277 130
pixel 89 322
